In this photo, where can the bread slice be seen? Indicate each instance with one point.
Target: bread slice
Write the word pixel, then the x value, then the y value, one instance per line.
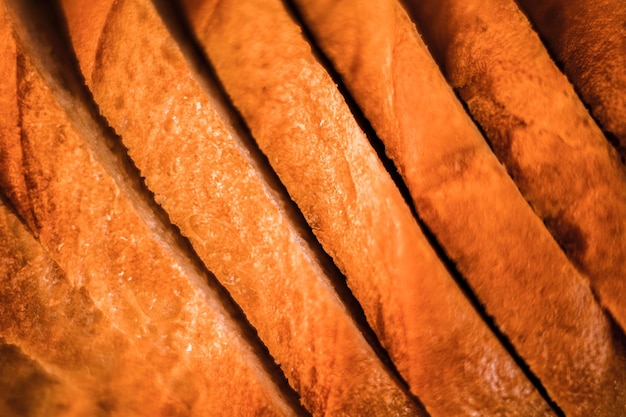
pixel 554 151
pixel 464 196
pixel 58 325
pixel 99 230
pixel 211 187
pixel 308 134
pixel 28 390
pixel 589 40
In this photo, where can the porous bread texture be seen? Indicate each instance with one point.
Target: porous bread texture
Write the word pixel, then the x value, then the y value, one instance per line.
pixel 57 324
pixel 300 121
pixel 95 230
pixel 205 179
pixel 551 146
pixel 465 197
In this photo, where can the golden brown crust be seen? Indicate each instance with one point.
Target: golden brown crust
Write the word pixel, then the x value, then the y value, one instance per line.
pixel 82 206
pixel 589 40
pixel 10 154
pixel 554 151
pixel 203 177
pixel 29 390
pixel 89 19
pixel 59 325
pixel 356 211
pixel 465 197
pixel 98 232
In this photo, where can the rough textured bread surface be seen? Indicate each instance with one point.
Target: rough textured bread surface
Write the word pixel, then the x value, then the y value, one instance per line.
pixel 58 325
pixel 112 250
pixel 552 148
pixel 465 197
pixel 136 323
pixel 588 38
pixel 210 187
pixel 28 390
pixel 309 136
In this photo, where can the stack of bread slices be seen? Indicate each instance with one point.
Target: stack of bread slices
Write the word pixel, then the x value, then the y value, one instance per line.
pixel 312 208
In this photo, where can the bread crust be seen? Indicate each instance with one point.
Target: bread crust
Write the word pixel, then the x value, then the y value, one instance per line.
pixel 58 325
pixel 59 176
pixel 204 178
pixel 98 231
pixel 308 134
pixel 29 390
pixel 465 197
pixel 589 40
pixel 550 145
